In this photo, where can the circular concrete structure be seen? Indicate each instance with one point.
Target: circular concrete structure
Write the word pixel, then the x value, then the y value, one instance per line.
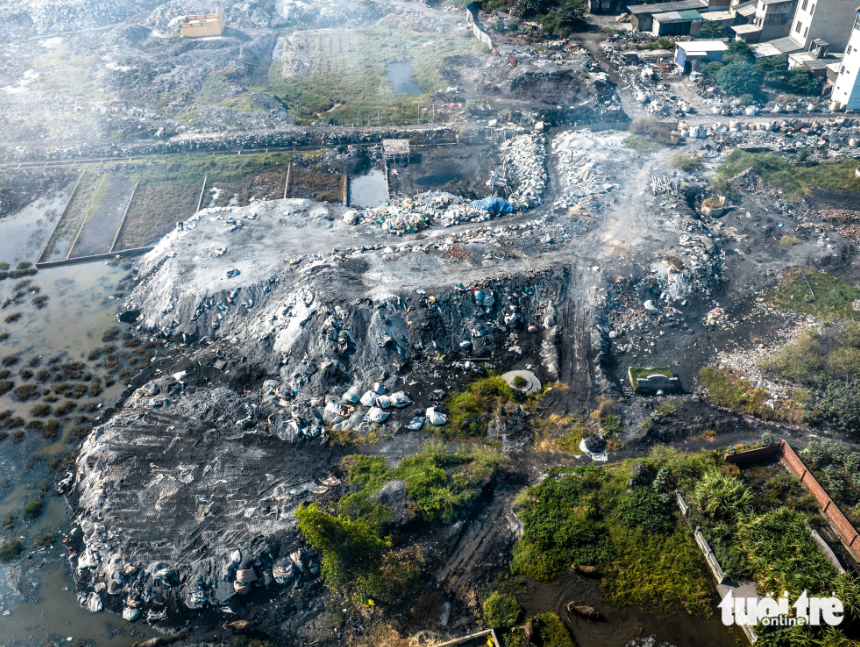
pixel 533 383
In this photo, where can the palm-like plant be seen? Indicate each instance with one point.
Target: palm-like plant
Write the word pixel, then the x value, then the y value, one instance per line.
pixel 720 497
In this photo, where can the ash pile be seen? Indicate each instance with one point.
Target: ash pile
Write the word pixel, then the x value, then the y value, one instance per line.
pixel 184 498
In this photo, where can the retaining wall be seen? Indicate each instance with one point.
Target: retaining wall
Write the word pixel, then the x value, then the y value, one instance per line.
pixel 829 509
pixel 478 30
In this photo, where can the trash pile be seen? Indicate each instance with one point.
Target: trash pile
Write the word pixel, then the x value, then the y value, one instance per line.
pixel 411 215
pixel 524 159
pixel 582 174
pixel 841 135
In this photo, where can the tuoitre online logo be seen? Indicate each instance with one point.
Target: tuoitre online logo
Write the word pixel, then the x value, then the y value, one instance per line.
pixel 813 611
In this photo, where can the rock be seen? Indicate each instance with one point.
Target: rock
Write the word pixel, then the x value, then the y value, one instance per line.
pixel 130 614
pixel 393 494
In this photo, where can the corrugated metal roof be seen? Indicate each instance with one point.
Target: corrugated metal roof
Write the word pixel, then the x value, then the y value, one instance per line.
pixel 678 16
pixel 696 46
pixel 667 6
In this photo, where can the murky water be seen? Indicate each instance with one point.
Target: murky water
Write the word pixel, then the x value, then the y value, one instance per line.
pixel 25 233
pixel 439 175
pixel 399 74
pixel 37 599
pixel 369 190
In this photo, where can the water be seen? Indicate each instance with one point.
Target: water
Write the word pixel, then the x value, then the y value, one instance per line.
pixel 399 74
pixel 26 233
pixel 440 175
pixel 369 190
pixel 37 598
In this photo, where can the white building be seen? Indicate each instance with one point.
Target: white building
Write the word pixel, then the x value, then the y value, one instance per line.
pixel 847 87
pixel 826 20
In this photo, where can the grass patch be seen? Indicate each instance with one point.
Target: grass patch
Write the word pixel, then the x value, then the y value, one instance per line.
pixel 501 610
pixel 642 144
pixel 832 298
pixel 559 434
pixel 345 76
pixel 794 181
pixel 33 510
pixel 727 389
pixel 685 162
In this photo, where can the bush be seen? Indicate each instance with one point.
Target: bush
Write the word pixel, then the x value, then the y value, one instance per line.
pixel 469 410
pixel 50 429
pixel 648 509
pixel 739 78
pixel 747 99
pixel 33 510
pixel 712 202
pixel 685 162
pixel 502 610
pixel 11 550
pixel 552 630
pixel 720 497
pixel 41 411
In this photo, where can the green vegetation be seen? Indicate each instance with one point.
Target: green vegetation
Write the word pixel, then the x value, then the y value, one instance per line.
pixel 32 510
pixel 727 389
pixel 555 433
pixel 648 135
pixel 360 560
pixel 741 74
pixel 829 299
pixel 838 471
pixel 502 610
pixel 685 162
pixel 794 181
pixel 469 410
pixel 346 77
pixel 11 550
pixel 637 372
pixel 585 515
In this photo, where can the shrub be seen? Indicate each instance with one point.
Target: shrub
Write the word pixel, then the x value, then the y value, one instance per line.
pixel 685 162
pixel 11 550
pixel 648 509
pixel 33 509
pixel 712 202
pixel 45 540
pixel 9 360
pixel 520 382
pixel 739 78
pixel 502 610
pixel 51 429
pixel 469 410
pixel 552 630
pixel 26 391
pixel 41 411
pixel 720 497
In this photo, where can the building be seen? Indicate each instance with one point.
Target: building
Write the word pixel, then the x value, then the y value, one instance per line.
pixel 827 20
pixel 677 23
pixel 642 15
pixel 816 59
pixel 846 90
pixel 769 20
pixel 204 25
pixel 690 56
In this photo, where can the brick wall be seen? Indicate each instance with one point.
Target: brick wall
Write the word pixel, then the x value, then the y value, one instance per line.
pixel 830 510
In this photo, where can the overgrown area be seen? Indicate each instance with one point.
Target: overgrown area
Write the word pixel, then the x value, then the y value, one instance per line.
pixel 365 538
pixel 727 388
pixel 343 79
pixel 740 73
pixel 794 180
pixel 586 516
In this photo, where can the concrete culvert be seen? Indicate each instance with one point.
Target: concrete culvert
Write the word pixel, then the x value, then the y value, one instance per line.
pixel 523 381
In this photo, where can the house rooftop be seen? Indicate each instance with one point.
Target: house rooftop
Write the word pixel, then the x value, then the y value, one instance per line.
pixel 775 47
pixel 677 16
pixel 667 6
pixel 702 46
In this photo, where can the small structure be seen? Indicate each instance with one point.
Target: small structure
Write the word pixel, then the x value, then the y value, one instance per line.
pixel 525 382
pixel 396 149
pixel 766 20
pixel 211 24
pixel 691 55
pixel 652 380
pixel 846 89
pixel 814 20
pixel 677 23
pixel 642 16
pixel 816 59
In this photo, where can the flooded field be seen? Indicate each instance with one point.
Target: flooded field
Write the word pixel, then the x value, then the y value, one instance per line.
pixel 52 322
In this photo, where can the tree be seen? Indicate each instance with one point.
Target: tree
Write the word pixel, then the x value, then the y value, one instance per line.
pixel 739 78
pixel 738 52
pixel 710 29
pixel 801 80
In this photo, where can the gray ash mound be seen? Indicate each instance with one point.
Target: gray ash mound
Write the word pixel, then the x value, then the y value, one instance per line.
pixel 283 345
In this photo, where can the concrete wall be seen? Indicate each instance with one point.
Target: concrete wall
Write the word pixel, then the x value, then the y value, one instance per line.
pixel 830 20
pixel 828 508
pixel 478 30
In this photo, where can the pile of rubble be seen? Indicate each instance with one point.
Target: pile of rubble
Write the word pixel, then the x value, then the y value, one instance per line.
pixel 411 215
pixel 524 159
pixel 583 176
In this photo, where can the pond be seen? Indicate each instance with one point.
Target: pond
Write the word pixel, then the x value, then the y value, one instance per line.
pixel 370 190
pixel 399 74
pixel 37 594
